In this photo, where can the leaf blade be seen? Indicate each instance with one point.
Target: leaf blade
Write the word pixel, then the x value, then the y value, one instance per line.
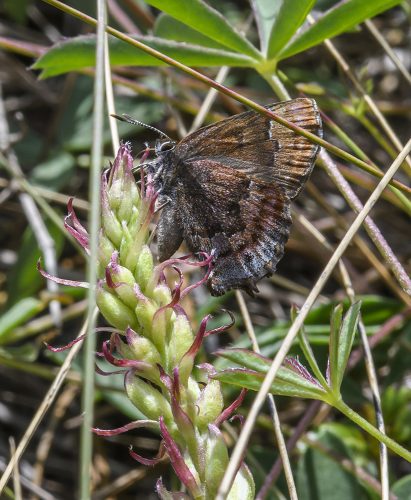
pixel 18 314
pixel 208 21
pixel 265 12
pixel 290 17
pixel 287 383
pixel 346 338
pixel 335 326
pixel 169 28
pixel 79 53
pixel 340 18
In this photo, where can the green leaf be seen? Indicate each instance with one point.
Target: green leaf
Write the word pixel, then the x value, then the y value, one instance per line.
pixel 336 319
pixel 265 13
pixel 79 53
pixel 402 488
pixel 27 352
pixel 344 16
pixel 246 358
pixel 321 477
pixel 309 356
pixel 375 310
pixel 208 21
pixel 55 172
pixel 287 382
pixel 342 344
pixel 18 314
pixel 23 279
pixel 168 28
pixel 291 15
pixel 395 403
pixel 350 434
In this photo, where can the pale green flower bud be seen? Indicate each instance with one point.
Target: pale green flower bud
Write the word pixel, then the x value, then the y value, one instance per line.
pixel 148 399
pixel 105 251
pixel 181 340
pixel 140 348
pixel 210 404
pixel 144 268
pixel 115 311
pixel 122 198
pixel 111 226
pixel 162 295
pixel 123 281
pixel 216 460
pixel 144 311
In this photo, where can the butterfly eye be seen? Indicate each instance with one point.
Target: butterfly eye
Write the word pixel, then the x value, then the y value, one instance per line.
pixel 166 146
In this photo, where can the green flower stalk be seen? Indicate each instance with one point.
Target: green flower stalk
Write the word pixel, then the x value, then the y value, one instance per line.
pixel 153 340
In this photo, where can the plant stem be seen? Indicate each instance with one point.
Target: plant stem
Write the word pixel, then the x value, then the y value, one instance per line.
pixel 373 431
pixel 86 436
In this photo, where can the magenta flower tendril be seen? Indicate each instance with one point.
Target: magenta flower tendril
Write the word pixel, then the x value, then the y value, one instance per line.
pixel 75 228
pixel 228 412
pixel 61 281
pixel 65 347
pixel 138 424
pixel 104 373
pixel 152 341
pixel 151 462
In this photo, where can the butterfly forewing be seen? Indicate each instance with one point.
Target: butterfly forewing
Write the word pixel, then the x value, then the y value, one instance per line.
pixel 261 147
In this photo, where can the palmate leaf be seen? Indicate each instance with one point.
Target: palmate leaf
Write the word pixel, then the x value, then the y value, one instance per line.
pixel 79 53
pixel 342 17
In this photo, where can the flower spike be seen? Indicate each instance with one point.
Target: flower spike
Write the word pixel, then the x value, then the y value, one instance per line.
pixel 152 343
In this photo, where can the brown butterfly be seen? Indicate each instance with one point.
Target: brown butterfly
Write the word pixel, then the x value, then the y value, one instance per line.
pixel 227 187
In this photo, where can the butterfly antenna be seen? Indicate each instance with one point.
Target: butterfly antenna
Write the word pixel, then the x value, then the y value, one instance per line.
pixel 128 119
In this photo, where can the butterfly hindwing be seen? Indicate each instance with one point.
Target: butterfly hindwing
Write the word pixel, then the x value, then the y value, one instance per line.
pixel 244 220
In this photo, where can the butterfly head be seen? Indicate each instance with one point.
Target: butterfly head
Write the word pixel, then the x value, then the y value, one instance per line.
pixel 163 166
pixel 162 147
